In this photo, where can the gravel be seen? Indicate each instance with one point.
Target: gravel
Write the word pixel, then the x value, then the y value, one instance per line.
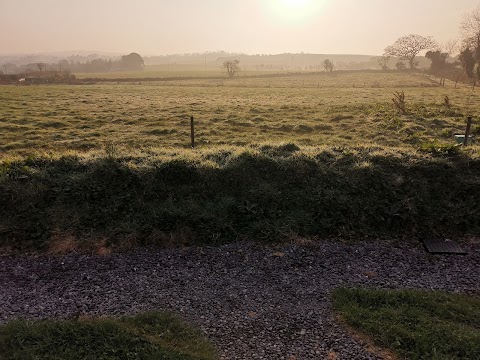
pixel 252 301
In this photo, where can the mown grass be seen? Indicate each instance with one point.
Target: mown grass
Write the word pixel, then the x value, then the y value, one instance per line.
pixel 146 336
pixel 263 192
pixel 414 324
pixel 344 109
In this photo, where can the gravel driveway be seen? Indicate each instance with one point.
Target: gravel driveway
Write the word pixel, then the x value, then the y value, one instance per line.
pixel 253 302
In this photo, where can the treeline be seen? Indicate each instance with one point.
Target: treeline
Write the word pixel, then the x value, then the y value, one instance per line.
pixel 464 67
pixel 131 62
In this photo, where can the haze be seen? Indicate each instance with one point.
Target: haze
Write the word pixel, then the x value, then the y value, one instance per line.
pixel 153 27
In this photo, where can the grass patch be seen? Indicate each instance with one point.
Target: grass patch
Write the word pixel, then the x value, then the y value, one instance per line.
pixel 414 324
pixel 153 335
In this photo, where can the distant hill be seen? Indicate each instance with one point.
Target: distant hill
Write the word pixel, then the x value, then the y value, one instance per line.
pixel 285 61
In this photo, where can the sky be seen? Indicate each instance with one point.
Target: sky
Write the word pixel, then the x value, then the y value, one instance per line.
pixel 158 27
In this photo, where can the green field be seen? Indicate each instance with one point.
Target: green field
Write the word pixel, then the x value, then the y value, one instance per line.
pixel 343 109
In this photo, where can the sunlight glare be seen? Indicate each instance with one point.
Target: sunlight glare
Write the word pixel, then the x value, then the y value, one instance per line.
pixel 295 11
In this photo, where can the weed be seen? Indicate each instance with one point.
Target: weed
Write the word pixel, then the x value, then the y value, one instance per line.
pixel 111 151
pixel 446 102
pixel 435 148
pixel 399 101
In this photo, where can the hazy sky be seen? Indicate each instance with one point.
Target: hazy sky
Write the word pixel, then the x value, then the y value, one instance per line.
pixel 250 26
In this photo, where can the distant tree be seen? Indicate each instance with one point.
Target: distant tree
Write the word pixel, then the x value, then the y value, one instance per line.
pixel 132 61
pixel 408 47
pixel 451 47
pixel 41 66
pixel 470 56
pixel 64 65
pixel 467 60
pixel 109 64
pixel 328 65
pixel 439 61
pixel 470 28
pixel 232 67
pixel 383 62
pixel 400 65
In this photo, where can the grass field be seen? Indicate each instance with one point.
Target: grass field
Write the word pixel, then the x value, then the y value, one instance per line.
pixel 175 70
pixel 159 71
pixel 344 109
pixel 414 324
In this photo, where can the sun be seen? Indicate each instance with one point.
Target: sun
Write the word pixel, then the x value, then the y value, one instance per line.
pixel 295 4
pixel 295 11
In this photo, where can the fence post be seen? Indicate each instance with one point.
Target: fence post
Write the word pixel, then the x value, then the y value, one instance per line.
pixel 467 131
pixel 192 132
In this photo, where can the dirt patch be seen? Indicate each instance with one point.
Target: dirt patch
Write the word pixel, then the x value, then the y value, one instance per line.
pixel 62 243
pixel 367 342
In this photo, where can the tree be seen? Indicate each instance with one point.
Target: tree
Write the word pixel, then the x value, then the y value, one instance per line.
pixel 400 65
pixel 132 61
pixel 41 66
pixel 408 47
pixel 232 67
pixel 328 65
pixel 470 28
pixel 470 56
pixel 383 62
pixel 467 59
pixel 64 65
pixel 439 61
pixel 451 47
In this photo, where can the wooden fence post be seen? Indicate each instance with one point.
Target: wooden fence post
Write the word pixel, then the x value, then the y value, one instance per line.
pixel 467 131
pixel 192 132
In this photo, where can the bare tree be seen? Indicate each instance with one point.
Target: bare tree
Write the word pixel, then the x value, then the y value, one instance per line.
pixel 470 56
pixel 328 65
pixel 408 47
pixel 232 67
pixel 470 28
pixel 450 47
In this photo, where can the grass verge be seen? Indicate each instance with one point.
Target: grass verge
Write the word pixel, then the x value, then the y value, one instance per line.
pixel 414 324
pixel 153 335
pixel 269 192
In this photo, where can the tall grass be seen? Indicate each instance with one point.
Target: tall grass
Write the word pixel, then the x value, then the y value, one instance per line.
pixel 266 193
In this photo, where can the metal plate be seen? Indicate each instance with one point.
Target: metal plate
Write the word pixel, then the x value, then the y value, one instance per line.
pixel 443 246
